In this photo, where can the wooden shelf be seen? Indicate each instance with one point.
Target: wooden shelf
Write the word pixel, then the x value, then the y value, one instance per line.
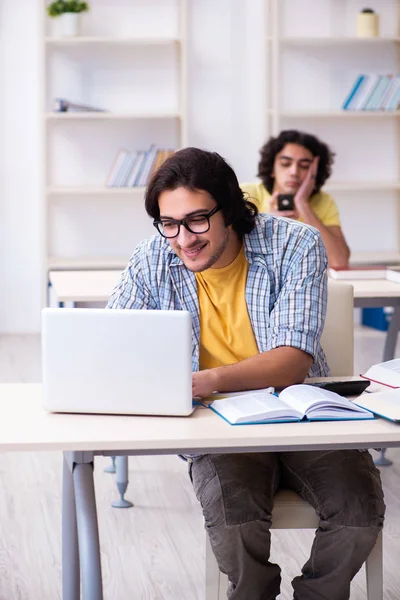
pixel 355 186
pixel 115 41
pixel 95 191
pixel 107 116
pixel 333 114
pixel 336 41
pixel 96 263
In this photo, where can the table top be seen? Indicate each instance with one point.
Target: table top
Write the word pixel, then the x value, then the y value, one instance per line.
pixel 92 286
pixel 374 288
pixel 25 425
pixel 84 286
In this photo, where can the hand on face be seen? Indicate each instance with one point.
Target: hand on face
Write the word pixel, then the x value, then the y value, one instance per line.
pixel 307 186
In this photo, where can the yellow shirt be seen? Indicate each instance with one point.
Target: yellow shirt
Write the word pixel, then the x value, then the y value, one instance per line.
pixel 226 334
pixel 322 204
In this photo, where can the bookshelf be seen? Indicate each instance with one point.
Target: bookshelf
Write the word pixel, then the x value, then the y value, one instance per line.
pixel 311 65
pixel 131 61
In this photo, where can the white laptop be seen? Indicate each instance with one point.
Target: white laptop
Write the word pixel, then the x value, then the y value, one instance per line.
pixel 117 361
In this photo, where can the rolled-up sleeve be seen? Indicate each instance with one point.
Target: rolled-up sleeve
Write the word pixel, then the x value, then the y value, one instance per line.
pixel 298 316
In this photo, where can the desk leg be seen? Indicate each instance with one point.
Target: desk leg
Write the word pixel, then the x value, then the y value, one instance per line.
pixel 388 354
pixel 88 533
pixel 70 549
pixel 121 478
pixel 111 467
pixel 391 336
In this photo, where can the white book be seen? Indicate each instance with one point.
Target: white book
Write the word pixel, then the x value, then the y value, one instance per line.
pixel 135 173
pixel 386 373
pixel 295 403
pixel 362 98
pixel 393 274
pixel 112 176
pixel 384 404
pixel 359 272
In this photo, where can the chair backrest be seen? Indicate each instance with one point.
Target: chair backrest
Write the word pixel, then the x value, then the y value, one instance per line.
pixel 337 339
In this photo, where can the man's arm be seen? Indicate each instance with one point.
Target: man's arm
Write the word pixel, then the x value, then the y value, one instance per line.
pixel 294 328
pixel 279 367
pixel 333 238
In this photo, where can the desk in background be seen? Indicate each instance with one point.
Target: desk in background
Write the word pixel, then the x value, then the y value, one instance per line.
pixel 96 286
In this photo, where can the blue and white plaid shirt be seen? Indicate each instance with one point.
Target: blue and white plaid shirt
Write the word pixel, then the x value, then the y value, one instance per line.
pixel 286 289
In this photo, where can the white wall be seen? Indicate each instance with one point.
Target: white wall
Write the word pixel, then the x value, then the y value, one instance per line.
pixel 225 109
pixel 20 238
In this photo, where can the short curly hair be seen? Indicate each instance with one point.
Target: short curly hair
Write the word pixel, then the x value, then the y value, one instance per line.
pixel 291 136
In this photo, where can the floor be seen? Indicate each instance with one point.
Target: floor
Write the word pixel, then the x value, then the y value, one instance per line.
pixel 154 551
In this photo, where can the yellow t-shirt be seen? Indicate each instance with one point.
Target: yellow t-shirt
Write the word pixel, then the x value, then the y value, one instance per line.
pixel 322 204
pixel 226 334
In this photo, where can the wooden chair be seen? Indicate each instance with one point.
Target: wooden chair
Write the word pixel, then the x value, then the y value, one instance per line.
pixel 290 511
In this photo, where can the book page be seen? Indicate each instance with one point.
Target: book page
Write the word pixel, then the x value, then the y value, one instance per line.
pixel 253 408
pixel 387 373
pixel 385 404
pixel 316 402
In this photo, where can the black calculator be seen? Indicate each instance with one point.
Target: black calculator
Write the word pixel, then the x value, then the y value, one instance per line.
pixel 353 387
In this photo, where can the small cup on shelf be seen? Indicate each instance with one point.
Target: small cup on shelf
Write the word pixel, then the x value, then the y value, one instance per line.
pixel 367 23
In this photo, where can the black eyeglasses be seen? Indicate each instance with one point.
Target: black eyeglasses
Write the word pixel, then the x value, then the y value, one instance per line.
pixel 170 228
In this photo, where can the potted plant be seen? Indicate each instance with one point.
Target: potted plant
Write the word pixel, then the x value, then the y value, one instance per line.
pixel 66 14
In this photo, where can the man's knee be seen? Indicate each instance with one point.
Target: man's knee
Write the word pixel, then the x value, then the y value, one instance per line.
pixel 357 499
pixel 233 489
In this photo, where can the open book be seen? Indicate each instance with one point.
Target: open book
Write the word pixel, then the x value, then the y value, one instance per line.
pixel 295 403
pixel 386 373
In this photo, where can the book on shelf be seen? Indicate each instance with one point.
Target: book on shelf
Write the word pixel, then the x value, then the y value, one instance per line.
pixel 374 92
pixel 295 403
pixel 386 373
pixel 359 272
pixel 134 169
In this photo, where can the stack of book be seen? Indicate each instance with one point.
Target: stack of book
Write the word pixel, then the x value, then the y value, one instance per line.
pixel 374 92
pixel 134 169
pixel 391 273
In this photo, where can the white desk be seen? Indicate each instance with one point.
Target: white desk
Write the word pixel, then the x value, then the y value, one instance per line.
pixel 377 293
pixel 96 286
pixel 25 426
pixel 83 286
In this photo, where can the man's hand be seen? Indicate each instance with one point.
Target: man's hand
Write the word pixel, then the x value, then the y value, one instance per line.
pixel 306 188
pixel 273 208
pixel 204 383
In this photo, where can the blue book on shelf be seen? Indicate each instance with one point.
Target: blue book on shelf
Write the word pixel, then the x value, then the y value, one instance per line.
pixel 353 91
pixel 376 97
pixel 368 99
pixel 365 91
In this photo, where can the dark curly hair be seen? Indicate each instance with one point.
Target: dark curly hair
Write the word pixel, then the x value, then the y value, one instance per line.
pixel 291 136
pixel 196 169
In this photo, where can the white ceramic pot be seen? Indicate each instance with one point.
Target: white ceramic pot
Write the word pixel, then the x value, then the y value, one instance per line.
pixel 367 25
pixel 67 25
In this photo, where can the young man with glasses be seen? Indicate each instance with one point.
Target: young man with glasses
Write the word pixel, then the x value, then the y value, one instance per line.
pixel 256 287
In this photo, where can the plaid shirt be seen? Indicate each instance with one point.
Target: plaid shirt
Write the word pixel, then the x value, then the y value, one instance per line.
pixel 286 289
